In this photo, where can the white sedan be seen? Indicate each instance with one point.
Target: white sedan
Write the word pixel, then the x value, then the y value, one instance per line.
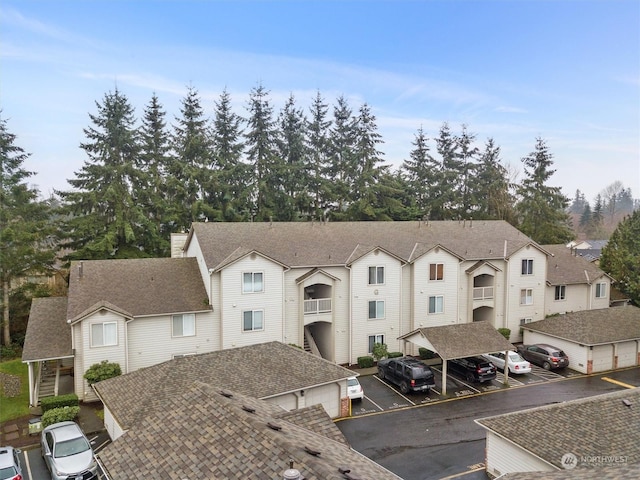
pixel 354 389
pixel 517 364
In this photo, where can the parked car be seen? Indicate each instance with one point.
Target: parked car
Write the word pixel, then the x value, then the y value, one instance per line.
pixel 473 369
pixel 354 389
pixel 67 452
pixel 517 364
pixel 409 374
pixel 10 468
pixel 547 356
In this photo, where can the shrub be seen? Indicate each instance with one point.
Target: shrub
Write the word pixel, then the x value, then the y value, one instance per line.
pixel 9 352
pixel 56 415
pixel 61 401
pixel 426 354
pixel 102 371
pixel 379 351
pixel 505 332
pixel 394 354
pixel 365 362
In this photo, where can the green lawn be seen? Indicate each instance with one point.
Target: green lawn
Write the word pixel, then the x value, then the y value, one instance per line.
pixel 15 407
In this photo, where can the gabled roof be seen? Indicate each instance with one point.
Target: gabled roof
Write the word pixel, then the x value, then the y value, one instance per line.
pixel 596 426
pixel 462 340
pixel 48 335
pixel 203 433
pixel 264 370
pixel 592 327
pixel 306 244
pixel 565 268
pixel 148 286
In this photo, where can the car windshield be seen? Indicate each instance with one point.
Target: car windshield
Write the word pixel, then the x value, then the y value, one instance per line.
pixel 514 357
pixel 71 447
pixel 352 382
pixel 7 472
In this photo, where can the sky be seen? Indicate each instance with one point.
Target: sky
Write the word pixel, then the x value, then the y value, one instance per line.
pixel 567 71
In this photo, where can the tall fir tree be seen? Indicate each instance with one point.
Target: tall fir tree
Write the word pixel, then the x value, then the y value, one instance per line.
pixel 493 189
pixel 318 128
pixel 467 156
pixel 542 208
pixel 446 199
pixel 24 224
pixel 422 172
pixel 343 169
pixel 104 220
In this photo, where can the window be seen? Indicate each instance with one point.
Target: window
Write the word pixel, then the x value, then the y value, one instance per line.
pixel 436 271
pixel 524 321
pixel 373 339
pixel 252 320
pixel 376 275
pixel 436 304
pixel 526 296
pixel 252 282
pixel 184 325
pixel 527 266
pixel 561 291
pixel 376 309
pixel 601 290
pixel 104 334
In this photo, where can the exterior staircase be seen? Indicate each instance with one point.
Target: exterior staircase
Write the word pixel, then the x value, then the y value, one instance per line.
pixel 47 379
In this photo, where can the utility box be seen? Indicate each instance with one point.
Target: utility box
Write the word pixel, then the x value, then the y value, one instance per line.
pixel 35 425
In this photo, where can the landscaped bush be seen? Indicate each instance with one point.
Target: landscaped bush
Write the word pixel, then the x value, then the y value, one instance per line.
pixel 49 403
pixel 394 354
pixel 379 351
pixel 426 354
pixel 8 352
pixel 56 415
pixel 102 371
pixel 365 362
pixel 505 332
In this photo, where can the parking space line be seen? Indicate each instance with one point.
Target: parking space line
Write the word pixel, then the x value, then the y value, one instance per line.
pixel 393 389
pixel 617 382
pixel 455 379
pixel 26 462
pixel 379 407
pixel 500 378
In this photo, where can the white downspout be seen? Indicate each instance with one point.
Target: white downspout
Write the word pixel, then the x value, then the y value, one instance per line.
pixel 350 315
pixel 284 306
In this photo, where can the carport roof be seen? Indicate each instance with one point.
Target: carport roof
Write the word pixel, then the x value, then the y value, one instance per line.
pixel 460 340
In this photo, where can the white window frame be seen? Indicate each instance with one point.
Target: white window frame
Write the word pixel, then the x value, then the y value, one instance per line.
pixel 436 265
pixel 182 355
pixel 526 296
pixel 601 290
pixel 524 321
pixel 252 284
pixel 187 320
pixel 435 304
pixel 377 270
pixel 253 321
pixel 526 266
pixel 104 334
pixel 377 309
pixel 377 338
pixel 560 293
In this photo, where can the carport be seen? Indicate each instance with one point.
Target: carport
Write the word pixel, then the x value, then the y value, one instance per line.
pixel 459 341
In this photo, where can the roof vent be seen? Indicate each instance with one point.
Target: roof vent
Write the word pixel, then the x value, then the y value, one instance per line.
pixel 311 451
pixel 248 409
pixel 274 426
pixel 292 474
pixel 344 469
pixel 626 402
pixel 226 393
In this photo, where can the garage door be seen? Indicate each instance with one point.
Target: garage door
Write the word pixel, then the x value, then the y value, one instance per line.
pixel 288 402
pixel 327 395
pixel 602 356
pixel 627 354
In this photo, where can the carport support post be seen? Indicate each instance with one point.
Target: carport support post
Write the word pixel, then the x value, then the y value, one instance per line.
pixel 506 368
pixel 444 376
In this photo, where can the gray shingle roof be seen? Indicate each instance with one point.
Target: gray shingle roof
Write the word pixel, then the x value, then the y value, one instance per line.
pixel 464 339
pixel 262 371
pixel 563 268
pixel 600 425
pixel 592 327
pixel 48 335
pixel 145 286
pixel 303 244
pixel 200 433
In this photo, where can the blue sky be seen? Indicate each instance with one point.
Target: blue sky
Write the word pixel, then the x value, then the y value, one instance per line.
pixel 565 70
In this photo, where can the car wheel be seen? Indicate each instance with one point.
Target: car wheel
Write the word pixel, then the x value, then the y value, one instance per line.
pixel 381 373
pixel 404 388
pixel 470 377
pixel 546 366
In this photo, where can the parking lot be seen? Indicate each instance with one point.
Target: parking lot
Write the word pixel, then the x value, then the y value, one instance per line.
pixel 381 395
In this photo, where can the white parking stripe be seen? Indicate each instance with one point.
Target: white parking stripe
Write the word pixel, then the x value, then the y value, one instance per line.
pixel 460 381
pixel 500 378
pixel 379 407
pixel 26 462
pixel 391 388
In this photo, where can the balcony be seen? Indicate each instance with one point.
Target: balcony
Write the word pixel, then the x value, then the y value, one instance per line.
pixel 483 293
pixel 316 306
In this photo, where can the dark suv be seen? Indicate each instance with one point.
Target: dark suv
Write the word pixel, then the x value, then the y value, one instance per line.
pixel 409 374
pixel 473 369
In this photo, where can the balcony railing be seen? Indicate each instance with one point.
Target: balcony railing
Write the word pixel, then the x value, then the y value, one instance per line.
pixel 482 293
pixel 317 305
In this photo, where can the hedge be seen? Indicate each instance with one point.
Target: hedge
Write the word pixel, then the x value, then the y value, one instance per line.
pixel 394 354
pixel 505 332
pixel 56 415
pixel 426 354
pixel 365 362
pixel 49 403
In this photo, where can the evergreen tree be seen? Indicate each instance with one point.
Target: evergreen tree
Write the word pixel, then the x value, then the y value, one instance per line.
pixel 621 256
pixel 261 153
pixel 579 202
pixel 467 154
pixel 343 168
pixel 586 220
pixel 104 219
pixel 230 192
pixel 24 224
pixel 317 147
pixel 493 189
pixel 446 198
pixel 421 171
pixel 189 175
pixel 542 208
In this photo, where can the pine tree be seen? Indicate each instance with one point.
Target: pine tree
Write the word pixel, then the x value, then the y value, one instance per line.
pixel 24 224
pixel 422 172
pixel 317 147
pixel 446 199
pixel 104 219
pixel 492 188
pixel 542 208
pixel 467 154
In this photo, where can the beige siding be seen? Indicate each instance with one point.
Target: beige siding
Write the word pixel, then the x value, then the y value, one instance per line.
pixel 600 302
pixel 503 457
pixel 111 425
pixel 423 288
pixel 327 395
pixel 578 355
pixel 287 402
pixel 150 339
pixel 407 317
pixel 234 302
pixel 195 251
pixel 576 299
pixel 341 315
